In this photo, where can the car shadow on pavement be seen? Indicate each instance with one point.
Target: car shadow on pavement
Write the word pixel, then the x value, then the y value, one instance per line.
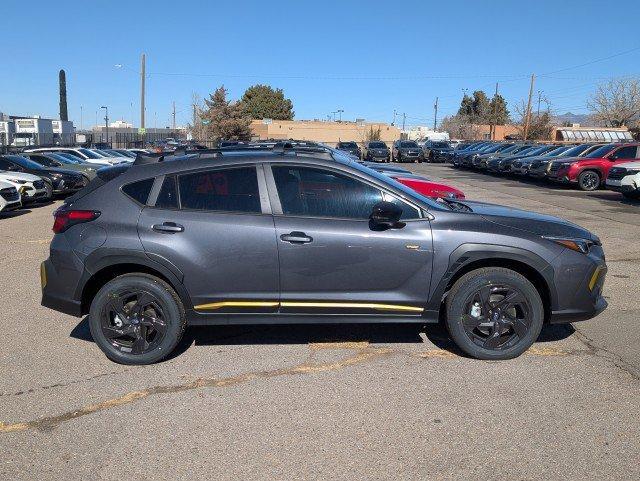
pixel 260 334
pixel 13 213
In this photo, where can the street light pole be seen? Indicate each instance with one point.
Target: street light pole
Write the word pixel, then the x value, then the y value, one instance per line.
pixel 340 112
pixel 106 122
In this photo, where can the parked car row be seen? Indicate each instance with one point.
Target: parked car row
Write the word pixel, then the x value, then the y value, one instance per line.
pixel 402 150
pixel 36 175
pixel 588 166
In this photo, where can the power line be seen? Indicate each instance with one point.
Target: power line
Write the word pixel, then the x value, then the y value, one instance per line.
pixel 591 62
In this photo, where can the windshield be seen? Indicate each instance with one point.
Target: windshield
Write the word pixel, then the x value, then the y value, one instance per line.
pixel 24 162
pixel 377 145
pixel 409 144
pixel 62 158
pixel 575 150
pixel 347 145
pixel 72 158
pixel 601 152
pixel 89 154
pixel 439 145
pixel 555 152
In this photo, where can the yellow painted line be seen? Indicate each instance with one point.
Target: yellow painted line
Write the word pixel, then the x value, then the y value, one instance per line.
pixel 545 351
pixel 437 353
pixel 319 305
pixel 220 305
pixel 339 345
pixel 353 305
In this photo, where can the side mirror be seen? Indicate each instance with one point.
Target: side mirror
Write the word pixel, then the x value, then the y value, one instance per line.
pixel 386 215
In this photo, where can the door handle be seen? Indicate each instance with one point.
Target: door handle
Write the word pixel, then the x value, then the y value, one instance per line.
pixel 296 237
pixel 168 227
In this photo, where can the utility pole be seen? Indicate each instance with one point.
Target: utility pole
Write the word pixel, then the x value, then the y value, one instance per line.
pixel 539 98
pixel 106 122
pixel 340 112
pixel 495 114
pixel 174 115
pixel 435 115
pixel 81 117
pixel 142 79
pixel 394 117
pixel 404 117
pixel 527 120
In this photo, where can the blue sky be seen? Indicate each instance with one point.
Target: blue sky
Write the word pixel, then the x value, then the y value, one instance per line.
pixel 368 58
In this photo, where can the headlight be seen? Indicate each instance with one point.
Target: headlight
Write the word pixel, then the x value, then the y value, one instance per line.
pixel 578 245
pixel 566 165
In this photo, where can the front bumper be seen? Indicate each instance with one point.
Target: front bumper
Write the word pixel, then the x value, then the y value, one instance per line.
pixel 623 186
pixel 579 282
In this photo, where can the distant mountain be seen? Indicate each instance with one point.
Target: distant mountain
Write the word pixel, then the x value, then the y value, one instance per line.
pixel 582 119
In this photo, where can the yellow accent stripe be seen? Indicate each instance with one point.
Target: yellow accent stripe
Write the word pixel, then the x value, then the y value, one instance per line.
pixel 320 305
pixel 594 277
pixel 353 305
pixel 220 305
pixel 43 275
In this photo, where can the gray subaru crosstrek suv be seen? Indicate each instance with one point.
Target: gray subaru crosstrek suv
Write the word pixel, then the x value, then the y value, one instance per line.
pixel 281 236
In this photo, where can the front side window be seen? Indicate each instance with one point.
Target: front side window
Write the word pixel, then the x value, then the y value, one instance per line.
pixel 227 190
pixel 311 192
pixel 628 152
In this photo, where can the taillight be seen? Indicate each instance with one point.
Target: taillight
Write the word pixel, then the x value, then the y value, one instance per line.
pixel 63 219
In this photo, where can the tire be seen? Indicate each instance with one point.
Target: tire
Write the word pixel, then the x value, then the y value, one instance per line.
pixel 164 301
pixel 632 195
pixel 487 342
pixel 589 180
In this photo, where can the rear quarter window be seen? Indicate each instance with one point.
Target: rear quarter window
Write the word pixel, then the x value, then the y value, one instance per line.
pixel 139 191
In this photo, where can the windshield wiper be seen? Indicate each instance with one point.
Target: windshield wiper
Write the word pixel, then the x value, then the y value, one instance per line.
pixel 455 205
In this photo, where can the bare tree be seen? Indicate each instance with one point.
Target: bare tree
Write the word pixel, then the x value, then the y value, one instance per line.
pixel 539 122
pixel 617 102
pixel 460 127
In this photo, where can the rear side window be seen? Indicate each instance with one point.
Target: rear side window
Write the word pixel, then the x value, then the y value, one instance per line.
pixel 168 196
pixel 139 191
pixel 227 190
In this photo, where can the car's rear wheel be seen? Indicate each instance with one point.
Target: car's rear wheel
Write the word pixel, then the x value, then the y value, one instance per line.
pixel 137 319
pixel 494 313
pixel 589 180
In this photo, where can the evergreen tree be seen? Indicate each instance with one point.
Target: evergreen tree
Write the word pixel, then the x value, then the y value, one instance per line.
pixel 224 119
pixel 263 102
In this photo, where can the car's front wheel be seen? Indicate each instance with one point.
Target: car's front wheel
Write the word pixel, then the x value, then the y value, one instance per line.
pixel 589 180
pixel 137 319
pixel 494 313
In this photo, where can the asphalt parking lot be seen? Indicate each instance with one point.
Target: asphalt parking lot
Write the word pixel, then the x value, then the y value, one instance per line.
pixel 340 402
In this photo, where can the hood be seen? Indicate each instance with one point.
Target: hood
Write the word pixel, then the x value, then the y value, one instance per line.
pixel 629 165
pixel 533 222
pixel 56 170
pixel 18 175
pixel 5 185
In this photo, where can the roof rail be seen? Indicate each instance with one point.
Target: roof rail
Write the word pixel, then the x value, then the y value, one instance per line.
pixel 143 159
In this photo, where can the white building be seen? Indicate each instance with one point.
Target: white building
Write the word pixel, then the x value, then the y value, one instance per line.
pixel 421 133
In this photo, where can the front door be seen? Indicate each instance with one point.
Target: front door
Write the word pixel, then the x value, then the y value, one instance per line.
pixel 219 235
pixel 331 260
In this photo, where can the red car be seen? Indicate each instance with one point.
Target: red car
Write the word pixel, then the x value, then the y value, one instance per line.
pixel 590 172
pixel 429 189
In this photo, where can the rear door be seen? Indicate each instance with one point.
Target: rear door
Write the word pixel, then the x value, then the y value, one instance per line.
pixel 216 227
pixel 331 259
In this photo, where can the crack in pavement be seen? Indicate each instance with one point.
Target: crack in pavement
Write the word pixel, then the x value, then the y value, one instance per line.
pixel 594 349
pixel 362 355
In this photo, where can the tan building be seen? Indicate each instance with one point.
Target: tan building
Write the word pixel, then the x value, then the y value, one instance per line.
pixel 319 131
pixel 576 133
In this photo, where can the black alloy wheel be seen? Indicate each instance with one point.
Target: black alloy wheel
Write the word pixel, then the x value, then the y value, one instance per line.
pixel 134 322
pixel 494 313
pixel 137 318
pixel 498 316
pixel 589 180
